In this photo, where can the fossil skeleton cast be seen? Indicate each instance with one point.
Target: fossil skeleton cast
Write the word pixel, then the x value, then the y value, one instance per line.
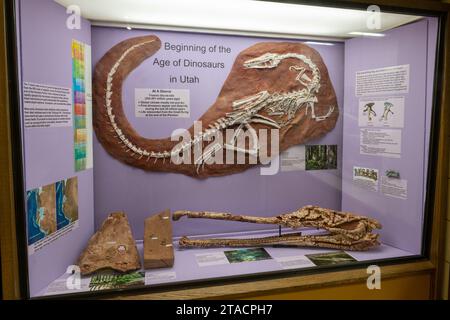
pixel 283 86
pixel 345 231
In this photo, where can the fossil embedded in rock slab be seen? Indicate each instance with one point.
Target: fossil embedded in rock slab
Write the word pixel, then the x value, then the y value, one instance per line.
pixel 111 247
pixel 158 247
pixel 277 87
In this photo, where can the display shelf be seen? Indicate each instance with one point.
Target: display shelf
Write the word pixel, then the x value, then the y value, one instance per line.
pixel 41 239
pixel 187 269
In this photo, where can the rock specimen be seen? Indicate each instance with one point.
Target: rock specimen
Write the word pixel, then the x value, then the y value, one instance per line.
pixel 158 247
pixel 282 86
pixel 346 231
pixel 111 247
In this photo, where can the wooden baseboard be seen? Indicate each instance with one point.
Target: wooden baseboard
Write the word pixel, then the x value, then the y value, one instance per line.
pixel 328 285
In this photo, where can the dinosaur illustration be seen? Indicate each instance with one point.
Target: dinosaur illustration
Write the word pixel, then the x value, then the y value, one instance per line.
pixel 368 108
pixel 387 109
pixel 345 231
pixel 299 101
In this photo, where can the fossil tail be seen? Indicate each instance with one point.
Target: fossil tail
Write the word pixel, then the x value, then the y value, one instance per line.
pixel 110 123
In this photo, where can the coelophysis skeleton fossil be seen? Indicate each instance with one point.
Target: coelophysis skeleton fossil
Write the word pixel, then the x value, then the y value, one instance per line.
pixel 253 106
pixel 346 231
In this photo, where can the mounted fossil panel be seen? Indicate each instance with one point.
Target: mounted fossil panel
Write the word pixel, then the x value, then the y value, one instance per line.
pixel 279 86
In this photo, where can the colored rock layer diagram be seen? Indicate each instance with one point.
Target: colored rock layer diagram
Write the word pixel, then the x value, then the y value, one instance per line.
pixel 81 105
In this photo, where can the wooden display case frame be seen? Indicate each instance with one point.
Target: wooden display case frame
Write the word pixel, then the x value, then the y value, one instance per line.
pixel 401 278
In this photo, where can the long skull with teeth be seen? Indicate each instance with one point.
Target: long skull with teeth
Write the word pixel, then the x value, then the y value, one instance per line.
pixel 267 60
pixel 344 230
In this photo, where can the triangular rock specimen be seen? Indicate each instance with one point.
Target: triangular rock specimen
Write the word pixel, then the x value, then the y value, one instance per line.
pixel 158 247
pixel 112 247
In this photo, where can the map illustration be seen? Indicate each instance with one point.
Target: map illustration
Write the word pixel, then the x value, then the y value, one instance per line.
pixel 41 207
pixel 51 208
pixel 66 202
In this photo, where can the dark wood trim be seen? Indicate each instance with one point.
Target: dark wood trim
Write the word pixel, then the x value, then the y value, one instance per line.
pixel 281 284
pixel 437 253
pixel 433 5
pixel 10 266
pixel 8 244
pixel 385 5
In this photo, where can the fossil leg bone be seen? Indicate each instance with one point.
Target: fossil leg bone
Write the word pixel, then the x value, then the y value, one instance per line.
pixel 346 230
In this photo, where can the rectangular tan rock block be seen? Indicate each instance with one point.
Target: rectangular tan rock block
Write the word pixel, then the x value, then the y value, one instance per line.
pixel 158 245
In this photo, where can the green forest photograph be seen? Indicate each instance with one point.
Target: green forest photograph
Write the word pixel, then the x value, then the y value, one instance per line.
pixel 321 157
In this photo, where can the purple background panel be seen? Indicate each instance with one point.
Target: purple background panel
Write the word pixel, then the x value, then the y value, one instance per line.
pixel 402 219
pixel 47 59
pixel 141 194
pixel 45 44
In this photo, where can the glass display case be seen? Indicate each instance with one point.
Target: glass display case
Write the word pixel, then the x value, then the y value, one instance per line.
pixel 166 143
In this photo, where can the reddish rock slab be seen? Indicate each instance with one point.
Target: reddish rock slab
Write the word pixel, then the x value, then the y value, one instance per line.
pixel 241 82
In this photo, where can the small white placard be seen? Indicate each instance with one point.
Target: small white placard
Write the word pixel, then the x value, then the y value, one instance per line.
pixel 294 262
pixel 211 259
pixel 366 178
pixel 158 277
pixel 60 286
pixel 381 112
pixel 293 159
pixel 381 142
pixel 382 81
pixel 46 106
pixel 396 188
pixel 162 103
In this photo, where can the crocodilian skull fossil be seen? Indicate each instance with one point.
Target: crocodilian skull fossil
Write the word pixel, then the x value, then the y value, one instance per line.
pixel 345 231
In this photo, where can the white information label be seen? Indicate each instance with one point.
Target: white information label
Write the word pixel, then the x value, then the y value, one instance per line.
pixel 211 259
pixel 366 178
pixel 382 81
pixel 397 188
pixel 293 159
pixel 382 112
pixel 35 247
pixel 60 286
pixel 294 262
pixel 381 142
pixel 46 106
pixel 162 103
pixel 158 277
